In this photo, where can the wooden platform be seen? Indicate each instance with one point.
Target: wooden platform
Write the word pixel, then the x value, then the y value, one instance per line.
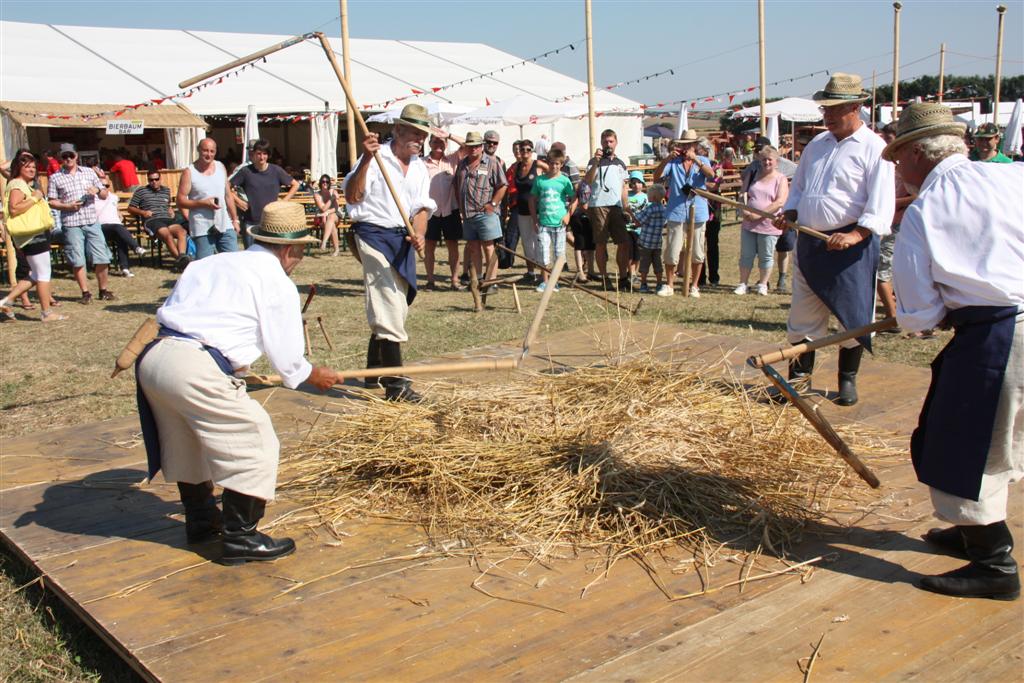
pixel 116 554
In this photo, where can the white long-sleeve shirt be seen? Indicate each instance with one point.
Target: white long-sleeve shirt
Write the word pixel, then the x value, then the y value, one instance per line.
pixel 839 182
pixel 243 304
pixel 378 207
pixel 961 242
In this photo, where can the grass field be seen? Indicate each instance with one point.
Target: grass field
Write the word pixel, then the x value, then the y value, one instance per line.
pixel 58 375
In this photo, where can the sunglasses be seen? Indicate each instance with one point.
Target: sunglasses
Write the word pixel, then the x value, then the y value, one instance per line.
pixel 154 180
pixel 526 149
pixel 490 142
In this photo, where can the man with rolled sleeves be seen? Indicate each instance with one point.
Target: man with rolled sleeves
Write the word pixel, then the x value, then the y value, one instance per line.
pixel 198 424
pixel 384 245
pixel 959 262
pixel 607 176
pixel 844 188
pixel 480 187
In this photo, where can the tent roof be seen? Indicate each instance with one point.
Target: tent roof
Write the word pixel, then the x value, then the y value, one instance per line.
pixel 127 65
pixel 789 108
pixel 160 116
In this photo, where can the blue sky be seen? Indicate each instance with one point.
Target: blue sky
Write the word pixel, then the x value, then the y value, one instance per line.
pixel 631 39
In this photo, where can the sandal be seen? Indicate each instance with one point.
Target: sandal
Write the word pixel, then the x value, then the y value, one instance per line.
pixel 28 307
pixel 52 317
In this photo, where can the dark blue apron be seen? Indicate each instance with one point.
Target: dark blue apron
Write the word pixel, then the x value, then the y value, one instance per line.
pixel 954 432
pixel 396 249
pixel 843 279
pixel 150 433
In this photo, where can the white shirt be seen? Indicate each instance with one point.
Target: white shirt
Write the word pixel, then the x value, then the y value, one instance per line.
pixel 839 182
pixel 961 242
pixel 378 207
pixel 106 210
pixel 243 304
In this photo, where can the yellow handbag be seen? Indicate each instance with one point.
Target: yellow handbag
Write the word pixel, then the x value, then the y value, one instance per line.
pixel 32 222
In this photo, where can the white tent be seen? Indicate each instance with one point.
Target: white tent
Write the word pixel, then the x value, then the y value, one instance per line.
pixel 520 110
pixel 441 112
pixel 131 65
pixel 795 109
pixel 1012 136
pixel 251 131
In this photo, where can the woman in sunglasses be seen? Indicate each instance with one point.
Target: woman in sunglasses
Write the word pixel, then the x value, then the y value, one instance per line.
pixel 328 211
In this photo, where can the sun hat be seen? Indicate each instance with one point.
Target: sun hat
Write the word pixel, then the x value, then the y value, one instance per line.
pixel 473 139
pixel 638 175
pixel 687 137
pixel 492 136
pixel 415 116
pixel 922 120
pixel 987 130
pixel 283 223
pixel 841 89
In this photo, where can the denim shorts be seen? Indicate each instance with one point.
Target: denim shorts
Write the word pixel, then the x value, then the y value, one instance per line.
pixel 482 227
pixel 78 239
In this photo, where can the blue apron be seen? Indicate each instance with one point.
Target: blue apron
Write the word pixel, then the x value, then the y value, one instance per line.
pixel 150 433
pixel 954 432
pixel 396 249
pixel 843 279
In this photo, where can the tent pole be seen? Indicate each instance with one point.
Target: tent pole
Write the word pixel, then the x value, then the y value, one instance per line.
pixel 872 99
pixel 896 59
pixel 1001 9
pixel 590 76
pixel 350 116
pixel 760 42
pixel 942 70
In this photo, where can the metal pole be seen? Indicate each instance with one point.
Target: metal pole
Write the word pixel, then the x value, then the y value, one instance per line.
pixel 1001 9
pixel 760 43
pixel 590 77
pixel 896 59
pixel 942 70
pixel 350 116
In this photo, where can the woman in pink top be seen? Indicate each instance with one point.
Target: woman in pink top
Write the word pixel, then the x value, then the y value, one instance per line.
pixel 768 193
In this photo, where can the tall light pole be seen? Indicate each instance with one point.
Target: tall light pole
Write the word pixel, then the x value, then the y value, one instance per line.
pixel 760 42
pixel 942 70
pixel 590 77
pixel 896 58
pixel 1001 10
pixel 350 116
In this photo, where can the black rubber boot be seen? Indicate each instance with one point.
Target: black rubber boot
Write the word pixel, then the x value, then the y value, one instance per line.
pixel 203 521
pixel 949 540
pixel 992 572
pixel 396 388
pixel 849 364
pixel 242 542
pixel 800 370
pixel 373 360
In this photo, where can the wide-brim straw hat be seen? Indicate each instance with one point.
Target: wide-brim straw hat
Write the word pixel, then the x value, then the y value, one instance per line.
pixel 283 223
pixel 923 120
pixel 473 139
pixel 687 137
pixel 415 116
pixel 841 89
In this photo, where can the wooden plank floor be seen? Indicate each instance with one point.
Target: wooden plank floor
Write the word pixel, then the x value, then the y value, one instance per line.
pixel 116 554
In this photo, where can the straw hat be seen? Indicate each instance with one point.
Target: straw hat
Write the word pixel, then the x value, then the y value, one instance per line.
pixel 283 223
pixel 841 89
pixel 687 137
pixel 415 116
pixel 473 139
pixel 923 120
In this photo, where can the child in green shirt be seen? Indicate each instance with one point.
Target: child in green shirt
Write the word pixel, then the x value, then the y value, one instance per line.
pixel 552 201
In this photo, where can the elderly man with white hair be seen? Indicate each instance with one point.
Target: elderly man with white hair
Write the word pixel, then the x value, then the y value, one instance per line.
pixel 959 262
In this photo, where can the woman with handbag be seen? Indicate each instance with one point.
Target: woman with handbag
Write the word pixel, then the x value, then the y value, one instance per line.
pixel 28 222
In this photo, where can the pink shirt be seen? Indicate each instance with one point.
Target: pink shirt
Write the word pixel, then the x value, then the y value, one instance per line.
pixel 442 174
pixel 761 194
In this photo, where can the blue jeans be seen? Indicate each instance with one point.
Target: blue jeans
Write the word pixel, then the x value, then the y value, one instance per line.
pixel 215 242
pixel 757 244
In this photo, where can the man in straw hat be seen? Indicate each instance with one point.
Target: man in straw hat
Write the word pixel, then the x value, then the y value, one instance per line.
pixel 959 261
pixel 384 244
pixel 843 187
pixel 198 423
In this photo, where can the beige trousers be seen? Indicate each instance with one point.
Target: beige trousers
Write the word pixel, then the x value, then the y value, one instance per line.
pixel 386 305
pixel 210 430
pixel 1005 464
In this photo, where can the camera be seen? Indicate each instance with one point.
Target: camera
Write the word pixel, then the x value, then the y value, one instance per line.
pixel 606 152
pixel 687 190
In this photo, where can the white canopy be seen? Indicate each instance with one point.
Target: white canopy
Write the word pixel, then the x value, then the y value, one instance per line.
pixel 130 65
pixel 440 111
pixel 522 110
pixel 795 109
pixel 1012 138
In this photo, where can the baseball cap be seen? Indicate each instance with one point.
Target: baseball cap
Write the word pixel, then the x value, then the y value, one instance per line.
pixel 987 130
pixel 761 141
pixel 492 136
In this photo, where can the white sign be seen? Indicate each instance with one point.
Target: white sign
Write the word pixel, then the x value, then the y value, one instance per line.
pixel 119 127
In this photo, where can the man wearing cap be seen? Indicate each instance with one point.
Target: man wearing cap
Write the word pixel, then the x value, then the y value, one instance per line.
pixel 787 241
pixel 684 169
pixel 199 425
pixel 842 187
pixel 607 176
pixel 383 242
pixel 959 259
pixel 986 145
pixel 480 187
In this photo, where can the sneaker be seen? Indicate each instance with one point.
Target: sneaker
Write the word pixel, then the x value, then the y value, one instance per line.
pixel 86 298
pixel 741 290
pixel 464 279
pixel 694 292
pixel 664 290
pixel 107 295
pixel 493 289
pixel 430 286
pixel 182 263
pixel 541 287
pixel 762 290
pixel 644 289
pixel 625 284
pixel 780 287
pixel 141 251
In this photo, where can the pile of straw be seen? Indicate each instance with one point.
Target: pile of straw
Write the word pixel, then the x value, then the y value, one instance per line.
pixel 623 459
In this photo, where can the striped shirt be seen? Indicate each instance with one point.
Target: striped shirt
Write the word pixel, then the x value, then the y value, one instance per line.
pixel 651 220
pixel 157 201
pixel 68 188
